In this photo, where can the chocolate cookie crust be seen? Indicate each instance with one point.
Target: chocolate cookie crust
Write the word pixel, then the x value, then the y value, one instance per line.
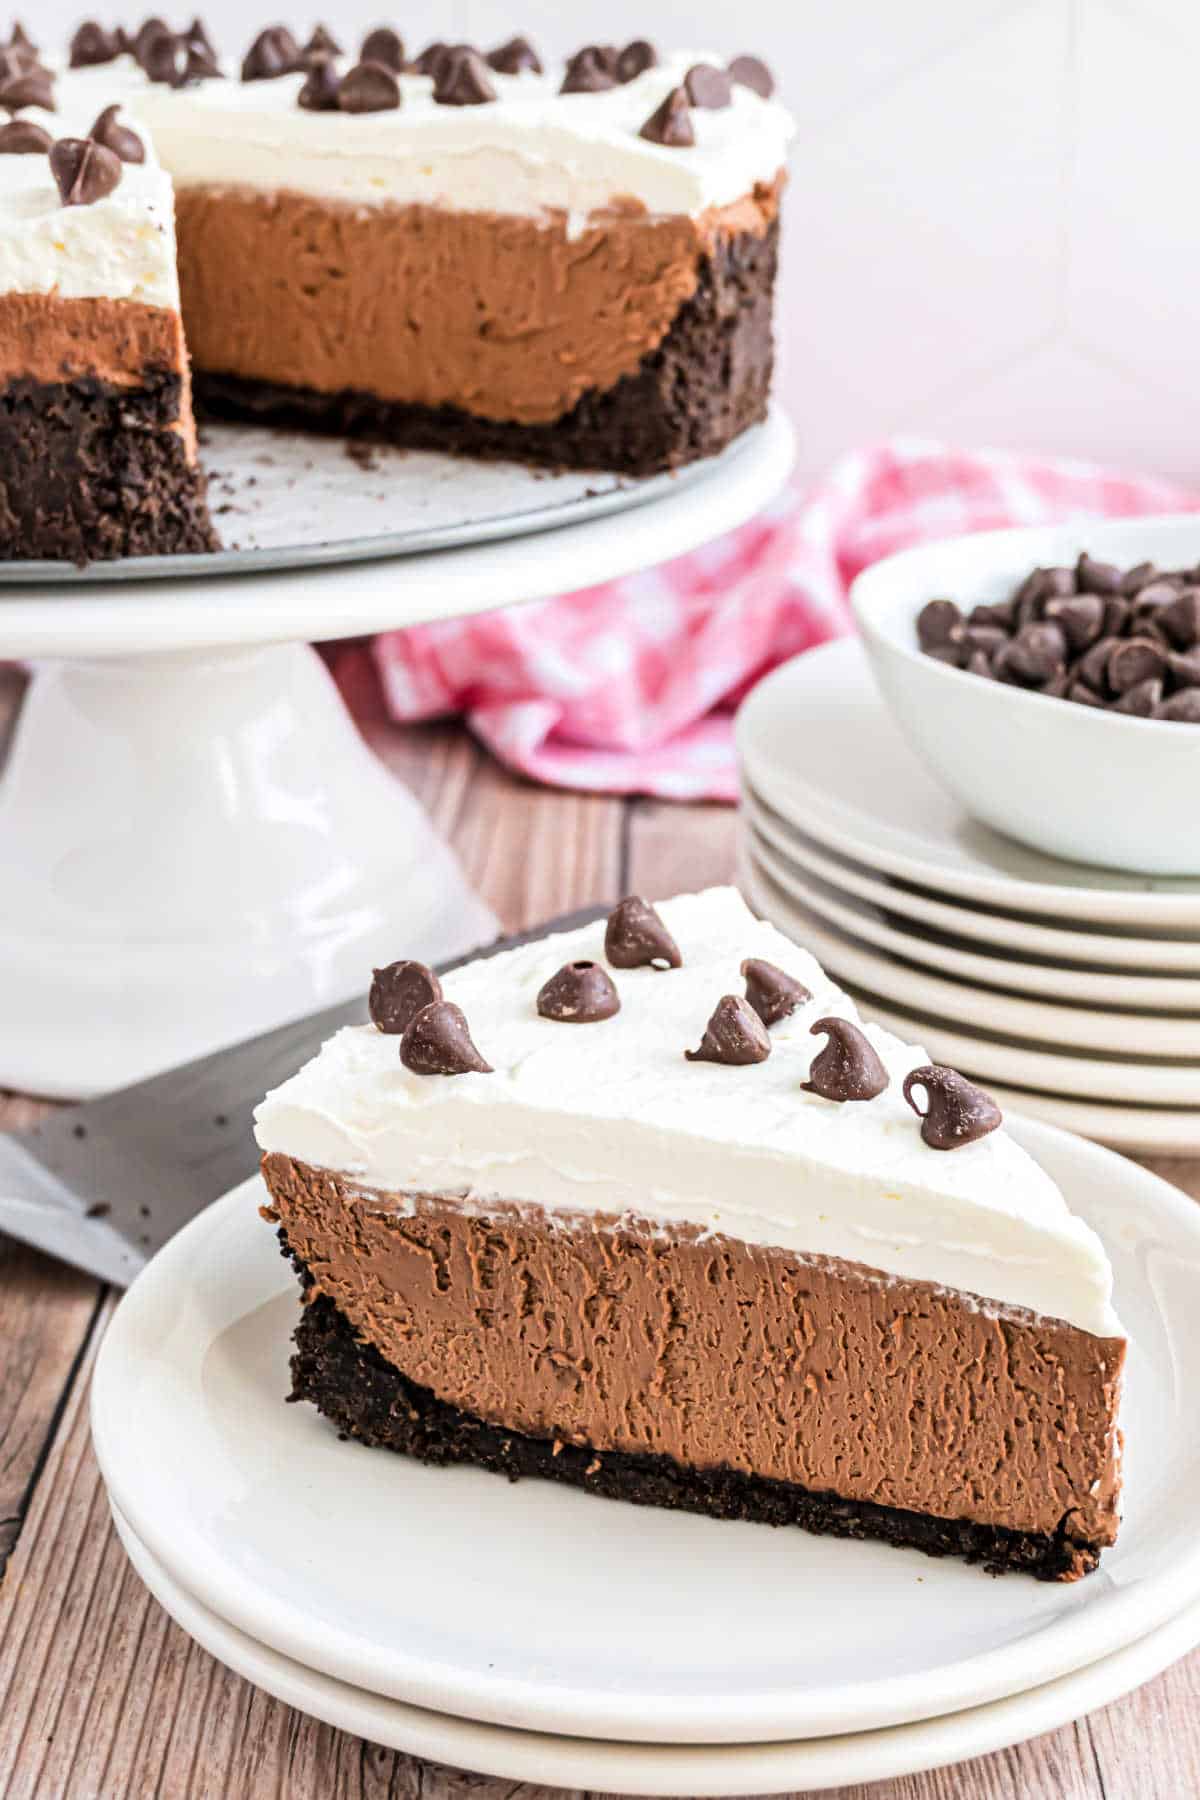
pixel 368 1399
pixel 90 471
pixel 707 382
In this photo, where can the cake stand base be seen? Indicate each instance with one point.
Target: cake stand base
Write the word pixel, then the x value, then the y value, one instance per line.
pixel 198 847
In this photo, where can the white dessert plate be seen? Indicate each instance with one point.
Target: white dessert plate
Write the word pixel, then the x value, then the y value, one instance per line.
pixel 572 1762
pixel 817 742
pixel 852 942
pixel 1078 963
pixel 945 1022
pixel 282 499
pixel 542 1607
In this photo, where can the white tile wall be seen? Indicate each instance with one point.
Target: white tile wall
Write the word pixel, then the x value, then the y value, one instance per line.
pixel 992 231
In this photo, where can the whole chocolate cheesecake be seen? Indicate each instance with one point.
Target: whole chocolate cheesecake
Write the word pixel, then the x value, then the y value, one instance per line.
pixel 645 1208
pixel 569 264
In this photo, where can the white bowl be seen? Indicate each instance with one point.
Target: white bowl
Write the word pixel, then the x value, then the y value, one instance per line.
pixel 1074 781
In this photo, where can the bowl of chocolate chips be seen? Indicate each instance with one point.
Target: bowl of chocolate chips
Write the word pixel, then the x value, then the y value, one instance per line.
pixel 1050 678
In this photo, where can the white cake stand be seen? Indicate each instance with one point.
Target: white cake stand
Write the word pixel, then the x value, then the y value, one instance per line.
pixel 195 843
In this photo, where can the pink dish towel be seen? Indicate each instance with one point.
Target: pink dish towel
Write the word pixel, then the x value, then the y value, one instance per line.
pixel 630 688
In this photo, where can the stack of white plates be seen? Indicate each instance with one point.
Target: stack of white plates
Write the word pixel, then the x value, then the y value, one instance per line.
pixel 1072 992
pixel 542 1634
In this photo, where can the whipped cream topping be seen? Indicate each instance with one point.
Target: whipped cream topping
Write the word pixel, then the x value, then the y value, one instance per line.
pixel 610 1118
pixel 531 150
pixel 120 248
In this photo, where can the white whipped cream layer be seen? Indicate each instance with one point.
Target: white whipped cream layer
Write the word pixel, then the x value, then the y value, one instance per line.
pixel 120 248
pixel 530 151
pixel 611 1118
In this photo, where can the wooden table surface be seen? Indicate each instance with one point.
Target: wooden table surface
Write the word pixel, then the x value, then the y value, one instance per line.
pixel 102 1697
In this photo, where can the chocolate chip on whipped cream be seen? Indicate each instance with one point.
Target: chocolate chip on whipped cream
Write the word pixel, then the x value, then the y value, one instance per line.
pixel 368 88
pixel 634 60
pixel 321 43
pixel 848 1068
pixel 462 79
pixel 274 52
pixel 320 88
pixel 92 46
pixel 590 71
pixel 21 137
pixel 956 1111
pixel 398 994
pixel 514 58
pixel 430 57
pixel 28 85
pixel 636 938
pixel 383 45
pixel 438 1042
pixel 169 59
pixel 708 86
pixel 771 991
pixel 752 72
pixel 580 993
pixel 84 171
pixel 116 137
pixel 671 123
pixel 734 1034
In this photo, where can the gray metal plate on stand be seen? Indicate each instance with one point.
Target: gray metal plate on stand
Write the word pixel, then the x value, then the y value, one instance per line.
pixel 274 495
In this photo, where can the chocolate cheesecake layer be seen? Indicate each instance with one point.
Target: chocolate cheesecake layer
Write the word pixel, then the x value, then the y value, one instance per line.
pixel 368 1399
pixel 659 389
pixel 92 469
pixel 723 1357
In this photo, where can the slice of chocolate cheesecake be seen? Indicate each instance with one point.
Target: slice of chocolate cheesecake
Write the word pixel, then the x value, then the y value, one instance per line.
pixel 644 1208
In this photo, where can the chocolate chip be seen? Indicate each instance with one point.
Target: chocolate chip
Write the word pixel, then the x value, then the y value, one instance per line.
pixel 987 638
pixel 148 29
pixel 1036 655
pixel 21 137
pixel 84 171
pixel 1184 668
pixel 92 45
pixel 1093 667
pixel 462 79
pixel 437 1041
pixel 1083 695
pixel 321 43
pixel 20 41
pixel 1142 700
pixel 1134 661
pixel 1117 614
pixel 383 45
pixel 580 993
pixel 1154 595
pixel 997 612
pixel 398 994
pixel 708 86
pixel 936 621
pixel 274 52
pixel 635 937
pixel 118 138
pixel 320 89
pixel 671 123
pixel 1183 707
pixel 514 57
pixel 1058 583
pixel 430 57
pixel 1181 620
pixel 635 59
pixel 979 663
pixel 752 72
pixel 1138 577
pixel 848 1067
pixel 1081 617
pixel 174 62
pixel 589 71
pixel 368 88
pixel 196 38
pixel 34 87
pixel 1094 577
pixel 956 1111
pixel 771 991
pixel 734 1034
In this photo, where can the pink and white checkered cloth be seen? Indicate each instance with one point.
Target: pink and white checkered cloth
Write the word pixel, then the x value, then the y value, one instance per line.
pixel 630 688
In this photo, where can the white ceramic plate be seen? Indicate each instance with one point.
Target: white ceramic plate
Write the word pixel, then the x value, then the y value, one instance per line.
pixel 542 1607
pixel 581 1763
pixel 1113 991
pixel 935 1018
pixel 1098 957
pixel 820 746
pixel 285 499
pixel 843 938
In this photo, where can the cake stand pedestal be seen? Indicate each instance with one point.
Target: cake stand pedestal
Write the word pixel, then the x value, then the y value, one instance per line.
pixel 195 842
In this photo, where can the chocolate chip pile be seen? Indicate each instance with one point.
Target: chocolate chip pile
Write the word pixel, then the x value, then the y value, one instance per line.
pixel 406 1001
pixel 85 169
pixel 1124 640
